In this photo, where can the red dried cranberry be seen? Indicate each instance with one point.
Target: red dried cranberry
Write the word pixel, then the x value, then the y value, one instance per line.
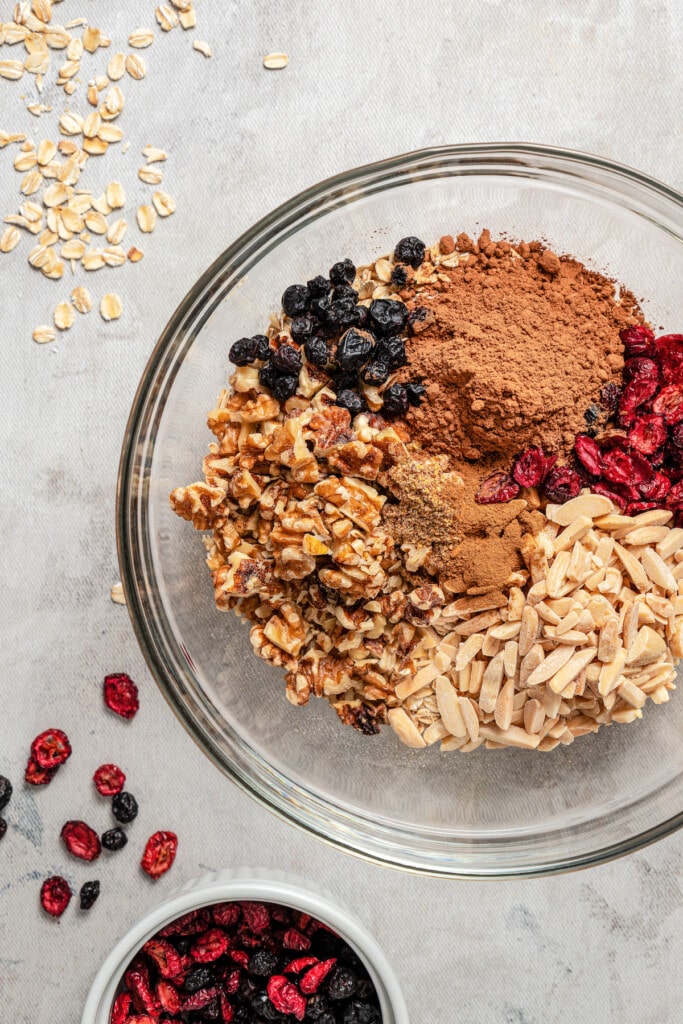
pixel 674 499
pixel 621 467
pixel 532 466
pixel 159 854
pixel 121 1009
pixel 209 946
pixel 285 997
pixel 81 841
pixel 231 980
pixel 256 916
pixel 300 964
pixel 51 748
pixel 37 776
pixel 599 487
pixel 109 779
pixel 669 403
pixel 144 999
pixel 293 939
pixel 165 957
pixel 562 484
pixel 499 487
pixel 637 341
pixel 670 354
pixel 121 695
pixel 313 978
pixel 640 367
pixel 144 1018
pixel 192 923
pixel 635 507
pixel 226 914
pixel 302 921
pixel 227 1013
pixel 55 894
pixel 239 957
pixel 636 393
pixel 168 997
pixel 648 433
pixel 609 396
pixel 657 488
pixel 199 999
pixel 587 451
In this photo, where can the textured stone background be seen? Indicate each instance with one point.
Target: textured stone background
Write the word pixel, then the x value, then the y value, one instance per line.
pixel 365 81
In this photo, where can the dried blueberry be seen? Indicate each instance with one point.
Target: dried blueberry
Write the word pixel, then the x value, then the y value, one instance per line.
pixel 418 319
pixel 264 1009
pixel 285 387
pixel 248 988
pixel 261 345
pixel 342 272
pixel 263 963
pixel 399 276
pixel 114 839
pixel 5 792
pixel 350 958
pixel 410 250
pixel 416 392
pixel 320 309
pixel 392 351
pixel 267 376
pixel 388 315
pixel 395 401
pixel 350 400
pixel 354 348
pixel 375 373
pixel 89 893
pixel 125 807
pixel 303 327
pixel 211 1012
pixel 295 299
pixel 3 828
pixel 199 977
pixel 591 414
pixel 342 984
pixel 316 352
pixel 344 291
pixel 365 988
pixel 357 1012
pixel 316 1006
pixel 246 350
pixel 342 313
pixel 286 359
pixel 362 317
pixel 325 943
pixel 319 286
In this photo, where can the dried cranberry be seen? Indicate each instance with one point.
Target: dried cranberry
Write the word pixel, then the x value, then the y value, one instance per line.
pixel 121 1009
pixel 648 433
pixel 199 999
pixel 609 396
pixel 256 916
pixel 587 451
pixel 121 695
pixel 88 894
pixel 561 484
pixel 286 359
pixel 635 507
pixel 5 792
pixel 670 354
pixel 300 964
pixel 192 923
pixel 621 467
pixel 239 957
pixel 657 488
pixel 210 945
pixel 51 748
pixel 410 250
pixel 669 403
pixel 674 499
pixel 226 914
pixel 231 980
pixel 227 1014
pixel 599 487
pixel 499 487
pixel 168 997
pixel 637 341
pixel 37 776
pixel 165 957
pixel 294 939
pixel 109 780
pixel 159 853
pixel 138 984
pixel 532 466
pixel 81 840
pixel 311 981
pixel 640 367
pixel 55 895
pixel 636 393
pixel 285 997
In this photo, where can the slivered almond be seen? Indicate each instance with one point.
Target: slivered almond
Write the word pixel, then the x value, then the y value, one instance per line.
pixel 609 640
pixel 404 728
pixel 478 623
pixel 567 673
pixel 610 673
pixel 470 717
pixel 658 571
pixel 491 683
pixel 632 567
pixel 504 705
pixel 449 706
pixel 575 531
pixel 528 631
pixel 647 647
pixel 672 543
pixel 550 665
pixel 422 678
pixel 634 696
pixel 534 715
pixel 557 575
pixel 512 737
pixel 468 650
pixel 510 658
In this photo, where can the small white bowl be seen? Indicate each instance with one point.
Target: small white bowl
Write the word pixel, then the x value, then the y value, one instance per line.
pixel 246 884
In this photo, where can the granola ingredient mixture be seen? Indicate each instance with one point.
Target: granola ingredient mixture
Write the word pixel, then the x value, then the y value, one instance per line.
pixel 378 562
pixel 250 962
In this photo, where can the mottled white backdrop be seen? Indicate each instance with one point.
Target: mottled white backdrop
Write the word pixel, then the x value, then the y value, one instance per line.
pixel 366 80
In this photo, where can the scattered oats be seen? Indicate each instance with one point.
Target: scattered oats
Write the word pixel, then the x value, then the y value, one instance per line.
pixel 42 10
pixel 12 69
pixel 135 66
pixel 116 231
pixel 92 94
pixel 9 239
pixel 81 202
pixel 43 334
pixel 114 256
pixel 31 211
pixel 68 148
pixel 73 249
pixel 64 316
pixel 154 155
pixel 275 61
pixel 96 222
pixel 70 88
pixel 182 5
pixel 72 221
pixel 202 47
pixel 114 195
pixel 147 218
pixel 71 124
pixel 31 182
pixel 188 18
pixel 150 175
pixel 56 195
pixel 114 101
pixel 111 307
pixel 6 139
pixel 92 125
pixel 68 71
pixel 166 17
pixel 111 133
pixel 47 237
pixel 81 299
pixel 116 68
pixel 93 260
pixel 47 150
pixel 101 205
pixel 57 38
pixel 54 270
pixel 134 255
pixel 95 147
pixel 101 82
pixel 117 594
pixel 76 23
pixel 74 50
pixel 25 161
pixel 92 39
pixel 27 146
pixel 126 146
pixel 37 109
pixel 141 38
pixel 37 63
pixel 164 204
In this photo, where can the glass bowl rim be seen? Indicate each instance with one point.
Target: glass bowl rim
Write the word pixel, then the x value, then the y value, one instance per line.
pixel 309 812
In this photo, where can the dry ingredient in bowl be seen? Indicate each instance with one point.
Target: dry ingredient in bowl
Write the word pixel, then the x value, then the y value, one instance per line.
pixel 247 962
pixel 422 495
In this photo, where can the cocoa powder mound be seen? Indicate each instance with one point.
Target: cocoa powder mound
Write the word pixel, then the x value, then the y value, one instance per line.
pixel 517 344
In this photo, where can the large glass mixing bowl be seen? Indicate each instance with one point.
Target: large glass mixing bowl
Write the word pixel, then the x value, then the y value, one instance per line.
pixel 485 814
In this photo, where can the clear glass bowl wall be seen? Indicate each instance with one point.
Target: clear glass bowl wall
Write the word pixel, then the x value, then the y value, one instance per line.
pixel 490 813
